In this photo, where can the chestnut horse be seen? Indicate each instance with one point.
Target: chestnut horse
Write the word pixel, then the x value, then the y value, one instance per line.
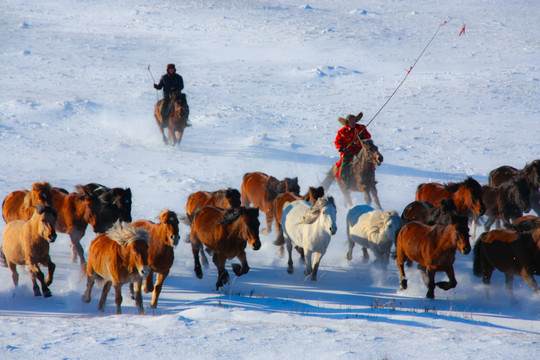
pixel 178 118
pixel 118 257
pixel 225 199
pixel 362 168
pixel 424 212
pixel 511 252
pixel 531 172
pixel 163 238
pixel 226 233
pixel 261 190
pixel 19 205
pixel 27 243
pixel 283 200
pixel 506 202
pixel 434 248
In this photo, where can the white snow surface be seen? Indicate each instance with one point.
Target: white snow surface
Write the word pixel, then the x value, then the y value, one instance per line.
pixel 266 82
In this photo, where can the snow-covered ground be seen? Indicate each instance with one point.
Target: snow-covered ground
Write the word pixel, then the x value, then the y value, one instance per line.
pixel 266 82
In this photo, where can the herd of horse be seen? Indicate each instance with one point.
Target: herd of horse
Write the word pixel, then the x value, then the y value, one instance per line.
pixel 430 230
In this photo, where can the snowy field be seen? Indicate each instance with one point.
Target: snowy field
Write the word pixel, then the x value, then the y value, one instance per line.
pixel 266 82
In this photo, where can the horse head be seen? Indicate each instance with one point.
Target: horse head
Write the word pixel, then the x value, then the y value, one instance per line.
pixel 46 217
pixel 251 227
pixel 461 227
pixel 170 221
pixel 313 194
pixel 532 173
pixel 372 152
pixel 116 204
pixel 134 241
pixel 519 192
pixel 469 193
pixel 232 196
pixel 325 210
pixel 291 185
pixel 40 194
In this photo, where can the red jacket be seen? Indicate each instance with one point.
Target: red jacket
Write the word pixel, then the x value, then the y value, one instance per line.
pixel 349 139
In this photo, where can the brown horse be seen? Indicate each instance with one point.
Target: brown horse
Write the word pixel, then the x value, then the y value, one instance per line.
pixel 163 238
pixel 284 199
pixel 362 168
pixel 261 190
pixel 75 211
pixel 506 202
pixel 116 202
pixel 27 243
pixel 434 248
pixel 424 212
pixel 225 199
pixel 531 172
pixel 118 257
pixel 226 233
pixel 178 118
pixel 19 205
pixel 511 252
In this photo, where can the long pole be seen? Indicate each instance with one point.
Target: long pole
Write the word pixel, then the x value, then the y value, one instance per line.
pixel 153 81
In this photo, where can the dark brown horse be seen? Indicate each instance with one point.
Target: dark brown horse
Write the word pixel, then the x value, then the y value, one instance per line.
pixel 225 199
pixel 226 233
pixel 20 204
pixel 163 238
pixel 116 202
pixel 531 172
pixel 362 168
pixel 424 212
pixel 27 243
pixel 178 118
pixel 261 190
pixel 506 202
pixel 511 252
pixel 118 257
pixel 433 247
pixel 284 199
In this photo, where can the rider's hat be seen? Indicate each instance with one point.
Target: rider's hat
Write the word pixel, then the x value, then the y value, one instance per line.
pixel 345 121
pixel 171 66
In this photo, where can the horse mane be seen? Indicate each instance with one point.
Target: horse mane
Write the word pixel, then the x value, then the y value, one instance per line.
pixel 168 214
pixel 230 216
pixel 314 211
pixel 37 186
pixel 231 193
pixel 273 188
pixel 43 209
pixel 531 172
pixel 469 183
pixel 127 234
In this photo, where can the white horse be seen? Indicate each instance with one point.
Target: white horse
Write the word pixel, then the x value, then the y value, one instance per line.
pixel 372 229
pixel 310 227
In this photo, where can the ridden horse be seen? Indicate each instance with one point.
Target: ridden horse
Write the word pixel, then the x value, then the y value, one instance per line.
pixel 284 199
pixel 177 120
pixel 531 172
pixel 117 257
pixel 224 198
pixel 424 212
pixel 372 229
pixel 163 238
pixel 261 190
pixel 75 211
pixel 19 205
pixel 434 248
pixel 27 243
pixel 362 169
pixel 511 252
pixel 226 233
pixel 310 227
pixel 116 202
pixel 506 202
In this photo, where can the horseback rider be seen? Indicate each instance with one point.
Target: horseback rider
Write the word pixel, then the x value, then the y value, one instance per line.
pixel 349 143
pixel 171 83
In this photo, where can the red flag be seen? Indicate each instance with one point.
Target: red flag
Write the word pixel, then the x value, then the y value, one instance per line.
pixel 462 32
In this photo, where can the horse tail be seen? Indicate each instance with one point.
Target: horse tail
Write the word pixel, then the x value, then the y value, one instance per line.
pixel 3 261
pixel 186 219
pixel 328 180
pixel 477 256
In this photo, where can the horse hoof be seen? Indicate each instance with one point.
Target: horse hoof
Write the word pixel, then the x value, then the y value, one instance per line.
pixel 430 295
pixel 290 270
pixel 403 284
pixel 47 294
pixel 237 269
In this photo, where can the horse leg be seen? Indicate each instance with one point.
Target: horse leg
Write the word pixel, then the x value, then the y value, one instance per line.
pixel 195 248
pixel 35 273
pixel 488 224
pixel 269 221
pixel 14 274
pixel 447 285
pixel 104 292
pixel 77 249
pixel 148 282
pixel 509 285
pixel 241 270
pixel 172 136
pixel 179 138
pixel 529 279
pixel 160 278
pixel 309 268
pixel 400 260
pixel 280 240
pixel 118 297
pixel 367 196
pixel 431 284
pixel 376 197
pixel 486 277
pixel 51 267
pixel 165 140
pixel 424 274
pixel 90 280
pixel 351 244
pixel 301 252
pixel 316 261
pixel 223 274
pixel 138 297
pixel 290 268
pixel 365 255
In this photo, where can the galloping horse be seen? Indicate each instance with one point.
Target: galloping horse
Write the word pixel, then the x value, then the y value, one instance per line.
pixel 531 172
pixel 363 175
pixel 284 199
pixel 178 118
pixel 163 238
pixel 434 248
pixel 118 257
pixel 261 190
pixel 226 233
pixel 27 243
pixel 424 212
pixel 467 196
pixel 511 252
pixel 506 202
pixel 372 229
pixel 116 202
pixel 310 228
pixel 19 205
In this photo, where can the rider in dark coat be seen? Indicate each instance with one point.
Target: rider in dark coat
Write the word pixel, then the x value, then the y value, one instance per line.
pixel 170 82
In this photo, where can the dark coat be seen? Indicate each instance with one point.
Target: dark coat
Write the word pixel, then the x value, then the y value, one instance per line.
pixel 170 83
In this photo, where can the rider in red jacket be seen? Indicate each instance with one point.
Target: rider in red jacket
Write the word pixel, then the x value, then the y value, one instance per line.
pixel 349 139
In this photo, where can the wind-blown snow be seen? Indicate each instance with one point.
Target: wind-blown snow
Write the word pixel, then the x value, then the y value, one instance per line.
pixel 266 81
